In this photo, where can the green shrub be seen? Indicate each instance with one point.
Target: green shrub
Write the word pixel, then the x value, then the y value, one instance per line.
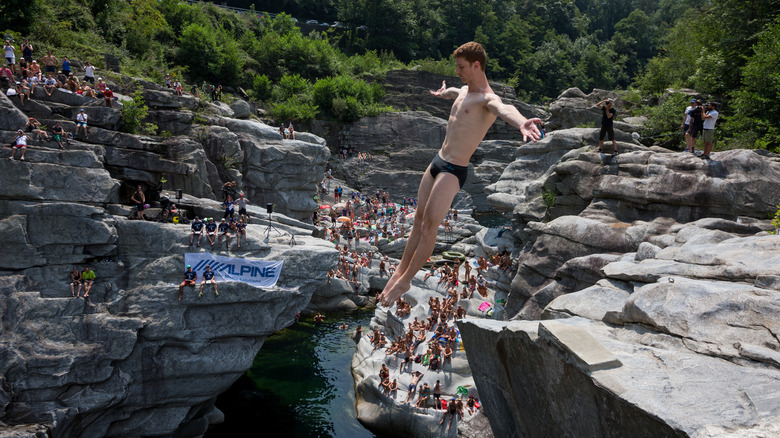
pixel 133 113
pixel 290 86
pixel 261 87
pixel 346 98
pixel 664 119
pixel 444 66
pixel 293 109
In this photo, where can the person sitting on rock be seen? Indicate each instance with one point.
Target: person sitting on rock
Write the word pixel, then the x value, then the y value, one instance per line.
pixel 224 230
pixel 75 281
pixel 177 87
pixel 424 396
pixel 385 385
pixel 471 404
pixel 190 278
pixel 89 279
pixel 290 131
pixel 19 143
pixel 452 410
pixel 49 85
pixel 197 230
pixel 208 277
pixel 81 122
pixel 34 126
pixel 58 133
pixel 394 388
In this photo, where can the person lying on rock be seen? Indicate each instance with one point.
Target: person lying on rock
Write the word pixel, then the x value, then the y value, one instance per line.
pixel 416 376
pixel 190 278
pixel 88 276
pixel 475 109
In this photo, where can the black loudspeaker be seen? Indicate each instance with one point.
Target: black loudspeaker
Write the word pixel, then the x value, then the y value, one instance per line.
pixel 269 208
pixel 179 194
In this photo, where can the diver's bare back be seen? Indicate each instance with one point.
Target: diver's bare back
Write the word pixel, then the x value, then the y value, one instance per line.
pixel 468 123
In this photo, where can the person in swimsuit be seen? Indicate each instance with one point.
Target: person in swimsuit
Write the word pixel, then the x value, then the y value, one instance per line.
pixel 452 410
pixel 475 109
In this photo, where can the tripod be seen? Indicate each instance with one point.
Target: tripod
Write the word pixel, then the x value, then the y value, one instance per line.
pixel 269 228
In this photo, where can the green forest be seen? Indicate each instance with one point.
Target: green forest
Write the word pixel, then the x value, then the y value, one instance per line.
pixel 725 50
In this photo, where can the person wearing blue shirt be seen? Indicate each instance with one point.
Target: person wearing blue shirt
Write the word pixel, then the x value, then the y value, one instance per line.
pixel 190 277
pixel 197 230
pixel 211 230
pixel 208 277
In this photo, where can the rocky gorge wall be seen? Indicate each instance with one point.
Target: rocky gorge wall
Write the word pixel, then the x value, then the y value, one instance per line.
pixel 132 360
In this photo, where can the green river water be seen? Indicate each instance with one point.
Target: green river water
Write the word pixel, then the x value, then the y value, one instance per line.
pixel 300 385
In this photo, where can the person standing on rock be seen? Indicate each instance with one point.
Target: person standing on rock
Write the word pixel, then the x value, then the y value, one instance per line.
pixel 696 126
pixel 475 109
pixel 686 123
pixel 708 129
pixel 139 199
pixel 49 63
pixel 607 129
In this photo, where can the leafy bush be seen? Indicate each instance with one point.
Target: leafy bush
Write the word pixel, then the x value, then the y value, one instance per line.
pixel 664 119
pixel 347 98
pixel 445 66
pixel 261 87
pixel 133 113
pixel 293 109
pixel 290 86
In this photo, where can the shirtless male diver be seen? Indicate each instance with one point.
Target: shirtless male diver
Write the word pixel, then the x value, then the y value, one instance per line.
pixel 475 109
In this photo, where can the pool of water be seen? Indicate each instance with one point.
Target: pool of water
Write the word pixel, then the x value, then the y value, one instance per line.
pixel 300 384
pixel 492 220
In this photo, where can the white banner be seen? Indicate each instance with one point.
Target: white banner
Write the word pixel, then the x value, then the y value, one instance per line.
pixel 258 273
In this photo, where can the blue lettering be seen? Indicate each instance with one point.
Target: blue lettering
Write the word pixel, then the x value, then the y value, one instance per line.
pixel 270 272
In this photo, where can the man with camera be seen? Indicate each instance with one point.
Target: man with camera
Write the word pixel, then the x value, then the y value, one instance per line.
pixel 708 128
pixel 607 129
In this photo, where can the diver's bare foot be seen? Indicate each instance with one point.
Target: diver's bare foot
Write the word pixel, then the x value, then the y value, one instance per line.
pixel 392 293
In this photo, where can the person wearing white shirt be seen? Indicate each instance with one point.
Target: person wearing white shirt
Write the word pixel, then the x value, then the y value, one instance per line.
pixel 81 122
pixel 89 73
pixel 708 134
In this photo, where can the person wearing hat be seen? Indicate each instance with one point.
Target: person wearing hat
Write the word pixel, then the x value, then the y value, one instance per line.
pixel 19 143
pixel 190 278
pixel 686 122
pixel 695 126
pixel 108 97
pixel 607 129
pixel 224 230
pixel 708 128
pixel 81 122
